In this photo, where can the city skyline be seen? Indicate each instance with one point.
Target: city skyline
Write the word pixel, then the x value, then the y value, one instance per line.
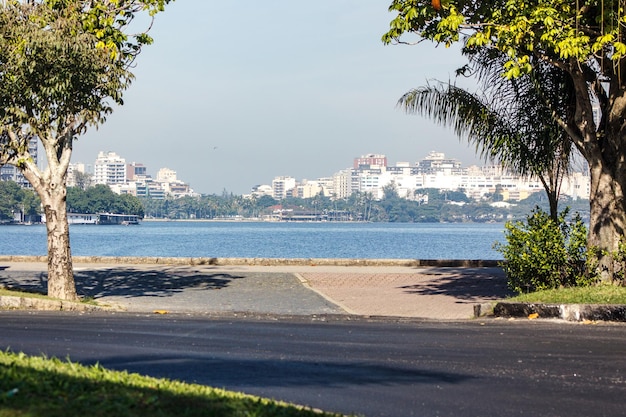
pixel 90 167
pixel 369 173
pixel 232 93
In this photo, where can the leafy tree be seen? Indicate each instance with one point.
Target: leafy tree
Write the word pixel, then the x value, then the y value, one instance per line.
pixel 582 39
pixel 63 63
pixel 266 201
pixel 390 192
pixel 15 199
pixel 83 180
pixel 9 199
pixel 101 199
pixel 77 201
pixel 127 204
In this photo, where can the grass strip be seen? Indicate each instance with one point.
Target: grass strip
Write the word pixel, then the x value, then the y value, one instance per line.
pixel 17 293
pixel 600 294
pixel 38 386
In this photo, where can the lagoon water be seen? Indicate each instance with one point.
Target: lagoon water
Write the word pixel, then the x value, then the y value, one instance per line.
pixel 267 240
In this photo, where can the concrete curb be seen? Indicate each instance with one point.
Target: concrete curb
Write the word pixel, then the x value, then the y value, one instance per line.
pixel 569 312
pixel 460 263
pixel 8 302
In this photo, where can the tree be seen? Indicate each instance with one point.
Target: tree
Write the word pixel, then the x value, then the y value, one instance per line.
pixel 507 119
pixel 63 64
pixel 15 199
pixel 9 199
pixel 83 180
pixel 101 199
pixel 582 39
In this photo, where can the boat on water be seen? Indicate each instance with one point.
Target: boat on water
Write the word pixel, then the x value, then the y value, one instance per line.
pixel 121 219
pixel 100 218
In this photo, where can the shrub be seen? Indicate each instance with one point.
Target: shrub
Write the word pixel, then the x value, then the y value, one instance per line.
pixel 542 254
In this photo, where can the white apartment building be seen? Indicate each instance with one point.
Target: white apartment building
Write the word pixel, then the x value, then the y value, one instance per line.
pixel 109 169
pixel 281 186
pixel 262 190
pixel 308 189
pixel 342 181
pixel 166 175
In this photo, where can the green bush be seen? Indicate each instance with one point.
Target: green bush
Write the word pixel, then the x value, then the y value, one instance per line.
pixel 542 254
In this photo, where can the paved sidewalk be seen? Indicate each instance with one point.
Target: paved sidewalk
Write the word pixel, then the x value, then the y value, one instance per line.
pixel 437 293
pixel 398 291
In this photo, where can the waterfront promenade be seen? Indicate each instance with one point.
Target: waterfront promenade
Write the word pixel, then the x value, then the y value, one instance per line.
pixel 391 289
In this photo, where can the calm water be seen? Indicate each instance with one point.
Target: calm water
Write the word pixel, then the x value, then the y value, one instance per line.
pixel 267 240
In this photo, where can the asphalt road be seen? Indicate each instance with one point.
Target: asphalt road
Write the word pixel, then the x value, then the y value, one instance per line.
pixel 381 367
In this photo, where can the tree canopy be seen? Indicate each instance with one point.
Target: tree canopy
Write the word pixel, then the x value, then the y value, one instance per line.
pixel 585 40
pixel 63 65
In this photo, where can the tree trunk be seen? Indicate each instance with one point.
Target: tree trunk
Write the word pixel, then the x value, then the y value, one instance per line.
pixel 60 270
pixel 607 217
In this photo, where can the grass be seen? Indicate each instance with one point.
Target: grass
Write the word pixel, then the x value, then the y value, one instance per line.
pixel 601 294
pixel 31 294
pixel 38 386
pixel 19 293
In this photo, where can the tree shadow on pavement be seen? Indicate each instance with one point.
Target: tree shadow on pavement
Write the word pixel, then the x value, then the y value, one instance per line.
pixel 159 282
pixel 468 285
pixel 242 373
pixel 128 282
pixel 27 281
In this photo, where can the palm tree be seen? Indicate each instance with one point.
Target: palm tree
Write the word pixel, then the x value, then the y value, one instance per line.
pixel 510 121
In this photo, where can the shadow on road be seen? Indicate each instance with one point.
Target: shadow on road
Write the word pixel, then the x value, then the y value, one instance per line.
pixel 161 282
pixel 129 282
pixel 235 373
pixel 464 284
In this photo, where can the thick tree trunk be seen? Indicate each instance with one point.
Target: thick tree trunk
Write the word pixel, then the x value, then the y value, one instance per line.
pixel 60 270
pixel 607 218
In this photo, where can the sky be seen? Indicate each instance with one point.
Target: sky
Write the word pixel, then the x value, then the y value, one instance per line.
pixel 232 94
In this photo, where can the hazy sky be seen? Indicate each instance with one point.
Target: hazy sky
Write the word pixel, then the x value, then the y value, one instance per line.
pixel 234 93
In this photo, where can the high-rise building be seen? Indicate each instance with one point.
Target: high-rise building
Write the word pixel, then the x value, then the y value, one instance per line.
pixel 282 186
pixel 109 169
pixel 135 171
pixel 370 160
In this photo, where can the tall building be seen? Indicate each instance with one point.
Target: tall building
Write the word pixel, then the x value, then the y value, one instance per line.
pixel 109 169
pixel 12 173
pixel 282 186
pixel 342 181
pixel 370 160
pixel 135 171
pixel 437 162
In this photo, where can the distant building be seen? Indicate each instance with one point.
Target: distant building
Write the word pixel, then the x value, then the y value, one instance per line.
pixel 136 171
pixel 371 174
pixel 109 169
pixel 370 160
pixel 12 173
pixel 262 190
pixel 437 162
pixel 75 171
pixel 282 187
pixel 166 175
pixel 308 189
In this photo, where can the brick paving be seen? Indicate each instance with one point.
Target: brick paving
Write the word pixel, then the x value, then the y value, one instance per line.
pixel 437 293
